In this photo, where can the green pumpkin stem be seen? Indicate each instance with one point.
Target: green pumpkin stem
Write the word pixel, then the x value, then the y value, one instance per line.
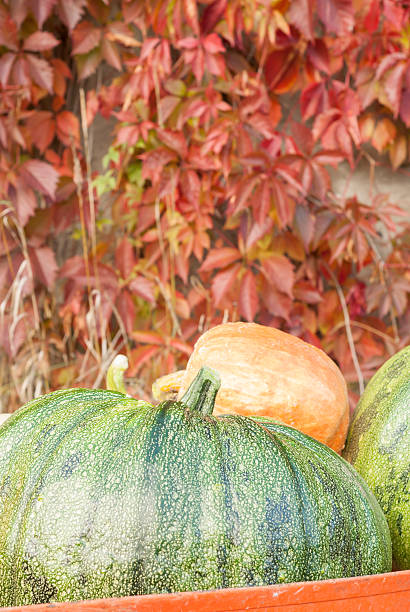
pixel 201 393
pixel 115 374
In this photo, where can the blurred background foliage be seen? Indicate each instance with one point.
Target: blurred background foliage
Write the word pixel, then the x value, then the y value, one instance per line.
pixel 166 165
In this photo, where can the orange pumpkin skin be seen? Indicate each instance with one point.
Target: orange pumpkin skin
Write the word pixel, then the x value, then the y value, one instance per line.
pixel 268 372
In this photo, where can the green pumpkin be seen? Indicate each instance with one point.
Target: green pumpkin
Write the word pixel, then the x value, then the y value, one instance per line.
pixel 105 496
pixel 378 446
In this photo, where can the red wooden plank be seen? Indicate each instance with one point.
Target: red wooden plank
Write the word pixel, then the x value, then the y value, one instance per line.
pixel 381 593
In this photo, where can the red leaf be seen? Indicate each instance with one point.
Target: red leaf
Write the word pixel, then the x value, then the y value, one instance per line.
pixel 213 44
pixel 174 140
pixel 140 356
pixel 154 161
pixel 394 84
pixel 258 231
pixel 190 184
pixel 300 14
pixel 277 303
pixel 6 64
pixel 198 64
pixel 191 14
pixel 262 202
pixel 318 55
pixel 70 12
pixel 147 47
pixel 388 62
pixel 93 105
pixel 40 41
pixel 148 337
pixel 24 201
pixel 85 37
pixel 126 309
pixel 307 293
pixel 40 71
pixel 68 128
pixel 384 134
pixel 212 14
pixel 405 107
pixel 167 105
pixel 125 258
pixel 305 224
pixel 19 10
pixel 336 15
pixel 281 69
pixel 248 297
pixel 121 33
pixel 371 22
pixel 144 288
pixel 41 176
pixel 110 53
pixel 41 126
pixel 284 206
pixel 21 72
pixel 314 100
pixel 331 158
pixel 244 189
pixel 88 63
pixel 8 32
pixel 398 151
pixel 278 271
pixel 220 258
pixel 261 123
pixel 302 135
pixel 44 265
pixel 223 282
pixel 13 333
pixel 42 10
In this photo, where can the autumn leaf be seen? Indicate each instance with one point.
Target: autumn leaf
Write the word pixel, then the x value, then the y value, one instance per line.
pixel 223 282
pixel 85 38
pixel 125 258
pixel 143 287
pixel 40 41
pixel 127 310
pixel 68 128
pixel 70 12
pixel 384 134
pixel 42 10
pixel 279 272
pixel 212 14
pixel 336 15
pixel 300 14
pixel 24 200
pixel 277 303
pixel 44 265
pixel 41 71
pixel 281 70
pixel 41 176
pixel 41 127
pixel 220 258
pixel 6 63
pixel 248 297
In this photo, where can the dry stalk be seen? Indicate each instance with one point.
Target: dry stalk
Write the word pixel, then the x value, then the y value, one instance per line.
pixel 348 328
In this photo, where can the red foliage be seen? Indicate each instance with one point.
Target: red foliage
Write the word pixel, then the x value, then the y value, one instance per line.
pixel 223 201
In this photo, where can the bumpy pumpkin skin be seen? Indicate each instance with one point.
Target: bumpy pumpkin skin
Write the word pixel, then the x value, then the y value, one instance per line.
pixel 265 371
pixel 378 446
pixel 104 496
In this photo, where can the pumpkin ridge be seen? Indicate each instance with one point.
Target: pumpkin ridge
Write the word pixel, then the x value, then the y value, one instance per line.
pixel 35 487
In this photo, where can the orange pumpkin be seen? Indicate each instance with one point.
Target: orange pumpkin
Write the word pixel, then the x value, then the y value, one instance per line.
pixel 267 372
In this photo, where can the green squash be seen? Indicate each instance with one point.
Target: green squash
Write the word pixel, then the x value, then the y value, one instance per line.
pixel 378 446
pixel 105 496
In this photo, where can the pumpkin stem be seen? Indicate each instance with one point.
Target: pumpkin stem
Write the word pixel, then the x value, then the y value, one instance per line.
pixel 115 374
pixel 201 393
